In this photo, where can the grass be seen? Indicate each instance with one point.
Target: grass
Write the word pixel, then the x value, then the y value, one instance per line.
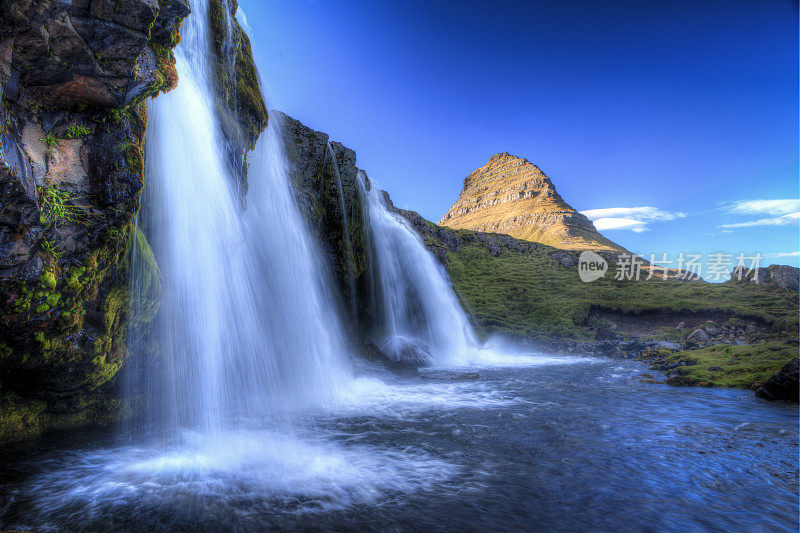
pixel 530 295
pixel 49 248
pixel 56 206
pixel 77 130
pixel 732 366
pixel 50 140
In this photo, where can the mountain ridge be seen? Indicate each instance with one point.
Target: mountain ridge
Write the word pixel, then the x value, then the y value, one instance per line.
pixel 511 195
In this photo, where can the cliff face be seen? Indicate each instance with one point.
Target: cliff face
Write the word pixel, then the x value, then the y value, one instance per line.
pixel 326 185
pixel 513 196
pixel 239 99
pixel 73 79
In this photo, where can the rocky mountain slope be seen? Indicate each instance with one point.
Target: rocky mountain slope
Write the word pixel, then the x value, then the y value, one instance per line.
pixel 511 195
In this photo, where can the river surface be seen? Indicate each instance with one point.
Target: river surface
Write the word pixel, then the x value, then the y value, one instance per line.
pixel 540 443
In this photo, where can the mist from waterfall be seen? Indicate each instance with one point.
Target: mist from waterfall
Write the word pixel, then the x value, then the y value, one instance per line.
pixel 416 300
pixel 246 328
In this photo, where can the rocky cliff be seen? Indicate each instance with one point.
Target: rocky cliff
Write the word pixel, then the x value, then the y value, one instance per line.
pixel 74 77
pixel 513 196
pixel 324 174
pixel 239 99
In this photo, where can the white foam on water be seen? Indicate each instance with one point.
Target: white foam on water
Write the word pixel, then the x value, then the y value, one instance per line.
pixel 232 469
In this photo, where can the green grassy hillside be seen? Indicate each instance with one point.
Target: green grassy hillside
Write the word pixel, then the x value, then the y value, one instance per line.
pixel 531 295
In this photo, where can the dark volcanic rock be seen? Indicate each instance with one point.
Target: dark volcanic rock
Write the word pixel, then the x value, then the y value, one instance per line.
pixel 325 176
pixel 373 353
pixel 783 385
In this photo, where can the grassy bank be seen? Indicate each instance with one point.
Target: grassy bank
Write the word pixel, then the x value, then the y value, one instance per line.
pixel 726 366
pixel 530 295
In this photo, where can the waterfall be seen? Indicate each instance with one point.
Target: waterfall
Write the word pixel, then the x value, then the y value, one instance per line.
pixel 415 296
pixel 246 329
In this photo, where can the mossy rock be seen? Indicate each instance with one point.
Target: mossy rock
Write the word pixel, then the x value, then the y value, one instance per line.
pixel 239 99
pixel 146 297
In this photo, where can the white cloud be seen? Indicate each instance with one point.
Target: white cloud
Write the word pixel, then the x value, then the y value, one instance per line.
pixel 765 207
pixel 783 254
pixel 629 218
pixel 783 220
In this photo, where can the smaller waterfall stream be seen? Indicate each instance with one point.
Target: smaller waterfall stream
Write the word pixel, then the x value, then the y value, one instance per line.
pixel 417 301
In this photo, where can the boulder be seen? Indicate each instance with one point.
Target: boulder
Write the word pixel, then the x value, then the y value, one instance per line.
pixel 783 385
pixel 408 351
pixel 785 276
pixel 567 261
pixel 402 357
pixel 138 15
pixel 666 345
pixel 605 333
pixel 697 338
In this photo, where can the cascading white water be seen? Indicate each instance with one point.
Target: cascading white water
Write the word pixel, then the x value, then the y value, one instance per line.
pixel 416 298
pixel 245 320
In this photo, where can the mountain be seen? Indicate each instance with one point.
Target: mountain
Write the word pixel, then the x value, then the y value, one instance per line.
pixel 511 195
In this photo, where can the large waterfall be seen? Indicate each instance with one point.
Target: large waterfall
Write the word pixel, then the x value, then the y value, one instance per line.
pixel 246 325
pixel 416 300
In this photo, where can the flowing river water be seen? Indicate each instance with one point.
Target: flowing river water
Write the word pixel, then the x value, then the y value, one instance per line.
pixel 522 443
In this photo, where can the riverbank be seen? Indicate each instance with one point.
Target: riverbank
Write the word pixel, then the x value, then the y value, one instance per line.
pixel 532 292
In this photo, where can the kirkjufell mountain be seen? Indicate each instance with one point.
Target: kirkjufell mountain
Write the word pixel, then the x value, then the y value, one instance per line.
pixel 511 195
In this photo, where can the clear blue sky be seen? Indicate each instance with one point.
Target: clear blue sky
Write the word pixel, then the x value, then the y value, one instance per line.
pixel 689 108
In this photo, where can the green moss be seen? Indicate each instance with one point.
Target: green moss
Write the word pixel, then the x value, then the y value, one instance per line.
pixel 74 282
pixel 52 299
pixel 218 20
pixel 248 89
pixel 732 366
pixel 249 106
pixel 147 289
pixel 19 418
pixel 48 280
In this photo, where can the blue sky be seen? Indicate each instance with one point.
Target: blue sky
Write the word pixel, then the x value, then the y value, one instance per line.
pixel 675 124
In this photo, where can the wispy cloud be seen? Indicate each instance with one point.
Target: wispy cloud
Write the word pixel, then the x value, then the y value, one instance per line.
pixel 783 254
pixel 782 220
pixel 629 218
pixel 765 207
pixel 779 212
